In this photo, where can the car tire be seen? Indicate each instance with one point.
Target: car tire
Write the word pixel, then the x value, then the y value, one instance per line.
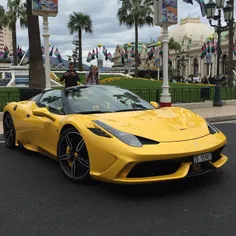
pixel 9 131
pixel 73 156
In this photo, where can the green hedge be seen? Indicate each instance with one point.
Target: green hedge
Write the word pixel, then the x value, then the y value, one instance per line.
pixel 178 95
pixel 8 95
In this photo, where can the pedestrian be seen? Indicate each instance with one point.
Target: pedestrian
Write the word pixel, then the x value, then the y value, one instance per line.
pixel 70 77
pixel 87 74
pixel 93 77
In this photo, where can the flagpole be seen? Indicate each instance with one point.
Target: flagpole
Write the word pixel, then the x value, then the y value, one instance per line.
pixel 46 36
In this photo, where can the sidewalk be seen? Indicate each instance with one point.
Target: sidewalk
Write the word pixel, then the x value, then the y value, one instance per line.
pixel 205 109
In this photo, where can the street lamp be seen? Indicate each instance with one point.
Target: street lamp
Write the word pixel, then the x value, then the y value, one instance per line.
pixel 182 57
pixel 228 15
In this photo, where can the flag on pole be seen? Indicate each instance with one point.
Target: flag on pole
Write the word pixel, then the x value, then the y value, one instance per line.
pixel 6 52
pixel 56 53
pixel 51 52
pixel 201 3
pixel 109 56
pixel 189 1
pixel 161 51
pixel 208 46
pixel 89 58
pixel 43 50
pixel 93 54
pixel 104 50
pixel 132 52
pixel 59 57
pixel 213 49
pixel 234 48
pixel 1 55
pixel 202 52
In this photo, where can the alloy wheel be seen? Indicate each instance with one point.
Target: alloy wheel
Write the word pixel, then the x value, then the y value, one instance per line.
pixel 73 156
pixel 9 131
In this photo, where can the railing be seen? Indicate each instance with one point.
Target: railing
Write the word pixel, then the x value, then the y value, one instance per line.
pixel 8 96
pixel 178 95
pixel 186 95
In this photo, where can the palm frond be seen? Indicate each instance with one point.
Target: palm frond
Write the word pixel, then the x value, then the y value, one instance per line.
pixel 79 21
pixel 135 11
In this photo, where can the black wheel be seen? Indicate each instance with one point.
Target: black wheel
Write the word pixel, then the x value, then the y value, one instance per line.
pixel 73 156
pixel 9 131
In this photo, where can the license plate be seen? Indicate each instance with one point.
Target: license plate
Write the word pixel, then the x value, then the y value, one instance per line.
pixel 202 158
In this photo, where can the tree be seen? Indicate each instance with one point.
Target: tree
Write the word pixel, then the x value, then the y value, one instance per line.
pixel 230 54
pixel 15 11
pixel 173 45
pixel 77 23
pixel 137 13
pixel 75 52
pixel 36 69
pixel 2 17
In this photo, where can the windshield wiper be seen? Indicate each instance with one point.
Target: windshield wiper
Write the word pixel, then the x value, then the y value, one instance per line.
pixel 134 109
pixel 93 112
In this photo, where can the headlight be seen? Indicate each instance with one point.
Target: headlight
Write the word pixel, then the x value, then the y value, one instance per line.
pixel 212 128
pixel 127 138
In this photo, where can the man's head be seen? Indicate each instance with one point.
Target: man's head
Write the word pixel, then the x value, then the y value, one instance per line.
pixel 71 66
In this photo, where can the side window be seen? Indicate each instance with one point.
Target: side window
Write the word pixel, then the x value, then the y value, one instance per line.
pixel 52 100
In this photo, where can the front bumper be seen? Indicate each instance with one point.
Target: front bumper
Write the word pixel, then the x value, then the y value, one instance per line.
pixel 186 169
pixel 145 167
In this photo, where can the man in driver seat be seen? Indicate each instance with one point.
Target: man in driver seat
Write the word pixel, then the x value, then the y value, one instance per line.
pixel 70 77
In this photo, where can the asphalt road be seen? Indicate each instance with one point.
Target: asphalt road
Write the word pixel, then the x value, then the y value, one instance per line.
pixel 36 199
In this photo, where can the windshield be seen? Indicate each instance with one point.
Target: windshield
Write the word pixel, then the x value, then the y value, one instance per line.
pixel 104 99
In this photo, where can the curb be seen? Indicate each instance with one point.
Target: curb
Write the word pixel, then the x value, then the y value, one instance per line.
pixel 221 118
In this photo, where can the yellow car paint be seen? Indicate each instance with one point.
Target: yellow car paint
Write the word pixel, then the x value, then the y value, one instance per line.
pixel 180 133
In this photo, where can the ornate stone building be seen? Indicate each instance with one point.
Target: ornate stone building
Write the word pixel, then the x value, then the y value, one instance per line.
pixel 191 34
pixel 189 61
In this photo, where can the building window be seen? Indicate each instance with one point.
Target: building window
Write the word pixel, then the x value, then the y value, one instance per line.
pixel 195 67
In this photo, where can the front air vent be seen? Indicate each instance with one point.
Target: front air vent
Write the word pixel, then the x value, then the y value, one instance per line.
pixel 99 132
pixel 146 141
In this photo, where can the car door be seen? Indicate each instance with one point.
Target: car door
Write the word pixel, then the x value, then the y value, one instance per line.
pixel 47 132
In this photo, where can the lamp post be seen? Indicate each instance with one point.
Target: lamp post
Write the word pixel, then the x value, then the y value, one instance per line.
pixel 100 59
pixel 157 61
pixel 46 36
pixel 228 15
pixel 181 59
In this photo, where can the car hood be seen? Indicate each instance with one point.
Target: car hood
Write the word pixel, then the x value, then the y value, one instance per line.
pixel 162 125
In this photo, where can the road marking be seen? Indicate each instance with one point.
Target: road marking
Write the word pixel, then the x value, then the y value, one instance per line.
pixel 2 141
pixel 225 122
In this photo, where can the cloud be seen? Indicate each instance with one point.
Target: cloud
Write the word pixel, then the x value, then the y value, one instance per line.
pixel 106 29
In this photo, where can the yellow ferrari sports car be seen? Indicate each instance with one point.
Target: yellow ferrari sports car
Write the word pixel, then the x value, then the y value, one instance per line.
pixel 110 134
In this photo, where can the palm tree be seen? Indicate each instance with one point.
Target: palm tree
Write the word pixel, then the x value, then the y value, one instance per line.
pixel 36 68
pixel 77 23
pixel 136 13
pixel 2 17
pixel 15 11
pixel 173 45
pixel 230 54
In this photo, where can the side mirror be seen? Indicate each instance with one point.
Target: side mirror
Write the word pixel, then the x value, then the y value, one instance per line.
pixel 43 112
pixel 154 104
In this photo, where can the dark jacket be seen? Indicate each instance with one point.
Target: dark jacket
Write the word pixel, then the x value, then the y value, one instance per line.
pixel 70 79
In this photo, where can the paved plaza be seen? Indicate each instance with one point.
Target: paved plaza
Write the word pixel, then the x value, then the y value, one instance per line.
pixel 38 200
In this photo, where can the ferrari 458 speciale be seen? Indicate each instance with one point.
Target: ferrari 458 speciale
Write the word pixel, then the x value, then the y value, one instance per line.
pixel 110 134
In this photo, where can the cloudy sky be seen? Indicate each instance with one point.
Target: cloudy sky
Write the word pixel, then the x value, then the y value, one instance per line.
pixel 106 29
